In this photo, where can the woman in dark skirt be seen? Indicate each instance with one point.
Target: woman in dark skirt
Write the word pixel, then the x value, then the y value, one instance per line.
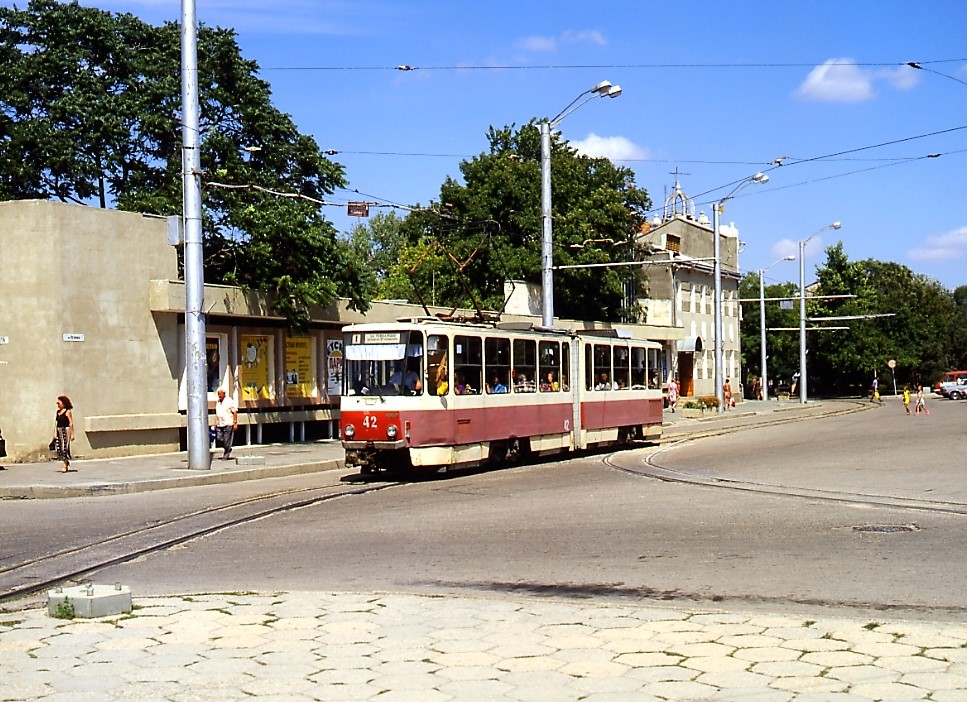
pixel 64 431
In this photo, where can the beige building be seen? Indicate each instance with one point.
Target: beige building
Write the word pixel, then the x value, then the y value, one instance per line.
pixel 680 292
pixel 91 307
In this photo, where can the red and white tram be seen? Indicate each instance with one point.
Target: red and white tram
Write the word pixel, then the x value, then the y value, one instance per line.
pixel 428 393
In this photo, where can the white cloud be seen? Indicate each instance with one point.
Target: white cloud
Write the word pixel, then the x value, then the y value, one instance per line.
pixel 788 247
pixel 617 148
pixel 545 45
pixel 941 247
pixel 901 78
pixel 837 80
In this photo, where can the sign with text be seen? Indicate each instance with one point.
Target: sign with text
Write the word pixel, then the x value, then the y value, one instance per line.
pixel 254 369
pixel 298 366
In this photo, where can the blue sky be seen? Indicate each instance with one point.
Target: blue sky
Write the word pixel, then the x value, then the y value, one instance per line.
pixel 714 90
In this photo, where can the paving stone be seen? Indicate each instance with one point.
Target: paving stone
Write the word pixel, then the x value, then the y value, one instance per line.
pixel 738 641
pixel 863 674
pixel 587 668
pixel 715 664
pixel 666 673
pixel 267 686
pixel 949 696
pixel 935 681
pixel 837 659
pixel 535 663
pixel 473 689
pixel 542 693
pixel 19 688
pixel 810 685
pixel 816 645
pixel 343 676
pixel 474 658
pixel 680 690
pixel 648 660
pixel 604 683
pixel 889 691
pixel 701 649
pixel 784 669
pixel 462 646
pixel 338 692
pixel 736 679
pixel 912 664
pixel 947 654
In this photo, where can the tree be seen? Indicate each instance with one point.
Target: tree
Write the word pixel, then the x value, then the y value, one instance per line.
pixel 492 223
pixel 91 112
pixel 782 346
pixel 926 334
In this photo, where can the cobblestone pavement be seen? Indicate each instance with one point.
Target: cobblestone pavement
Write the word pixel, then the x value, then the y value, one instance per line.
pixel 393 647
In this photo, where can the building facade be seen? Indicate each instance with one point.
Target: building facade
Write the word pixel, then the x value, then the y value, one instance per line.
pixel 679 292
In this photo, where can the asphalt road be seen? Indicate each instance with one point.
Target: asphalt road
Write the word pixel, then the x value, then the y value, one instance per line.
pixel 601 526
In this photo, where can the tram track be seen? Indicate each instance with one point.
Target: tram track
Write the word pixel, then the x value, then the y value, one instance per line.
pixel 69 564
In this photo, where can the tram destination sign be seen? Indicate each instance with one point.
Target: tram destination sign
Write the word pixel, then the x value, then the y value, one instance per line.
pixel 382 338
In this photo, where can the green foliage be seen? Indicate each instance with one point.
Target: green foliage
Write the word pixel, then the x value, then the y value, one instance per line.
pixel 65 610
pixel 926 334
pixel 491 226
pixel 90 111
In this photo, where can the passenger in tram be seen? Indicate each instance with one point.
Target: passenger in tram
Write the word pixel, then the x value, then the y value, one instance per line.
pixel 462 388
pixel 496 386
pixel 442 386
pixel 550 384
pixel 523 384
pixel 407 383
pixel 604 383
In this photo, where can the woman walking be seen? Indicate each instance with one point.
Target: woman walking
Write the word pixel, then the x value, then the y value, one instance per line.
pixel 64 431
pixel 921 405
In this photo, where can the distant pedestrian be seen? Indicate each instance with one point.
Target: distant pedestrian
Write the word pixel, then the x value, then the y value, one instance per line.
pixel 921 404
pixel 795 383
pixel 672 394
pixel 875 391
pixel 727 395
pixel 757 389
pixel 906 398
pixel 226 423
pixel 63 431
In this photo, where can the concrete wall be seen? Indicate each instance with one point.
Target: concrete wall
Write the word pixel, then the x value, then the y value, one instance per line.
pixel 82 272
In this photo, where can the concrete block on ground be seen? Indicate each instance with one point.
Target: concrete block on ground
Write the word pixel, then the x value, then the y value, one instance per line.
pixel 91 600
pixel 250 460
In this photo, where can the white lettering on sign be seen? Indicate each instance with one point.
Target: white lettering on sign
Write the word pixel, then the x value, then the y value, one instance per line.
pixel 73 337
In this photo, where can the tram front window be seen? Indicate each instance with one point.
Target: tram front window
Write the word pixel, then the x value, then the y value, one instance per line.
pixel 384 364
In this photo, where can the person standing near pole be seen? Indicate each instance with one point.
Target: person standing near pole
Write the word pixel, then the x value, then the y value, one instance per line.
pixel 226 422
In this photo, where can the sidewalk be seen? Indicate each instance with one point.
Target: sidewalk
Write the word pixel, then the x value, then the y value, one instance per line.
pixel 117 476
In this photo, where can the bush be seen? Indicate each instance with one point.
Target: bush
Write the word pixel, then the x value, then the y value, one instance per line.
pixel 707 402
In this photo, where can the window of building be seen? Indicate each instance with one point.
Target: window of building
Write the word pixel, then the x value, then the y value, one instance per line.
pixel 673 242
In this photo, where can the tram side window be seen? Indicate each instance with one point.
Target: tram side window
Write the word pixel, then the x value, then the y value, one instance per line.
pixel 524 371
pixel 639 368
pixel 565 367
pixel 588 367
pixel 497 365
pixel 619 381
pixel 550 366
pixel 602 367
pixel 467 365
pixel 655 380
pixel 437 371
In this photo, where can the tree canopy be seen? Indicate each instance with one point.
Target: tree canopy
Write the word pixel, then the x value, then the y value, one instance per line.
pixel 90 113
pixel 909 318
pixel 491 225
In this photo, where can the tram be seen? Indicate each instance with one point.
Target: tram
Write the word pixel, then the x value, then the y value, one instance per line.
pixel 426 393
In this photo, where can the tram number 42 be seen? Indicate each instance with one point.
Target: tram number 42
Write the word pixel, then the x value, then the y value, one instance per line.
pixel 369 422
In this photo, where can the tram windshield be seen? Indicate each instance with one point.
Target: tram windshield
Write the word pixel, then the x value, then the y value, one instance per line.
pixel 384 363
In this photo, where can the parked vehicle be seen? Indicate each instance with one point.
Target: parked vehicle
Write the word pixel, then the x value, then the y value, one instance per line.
pixel 950 377
pixel 956 390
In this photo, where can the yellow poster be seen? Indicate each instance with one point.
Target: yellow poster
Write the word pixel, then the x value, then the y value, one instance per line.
pixel 298 366
pixel 255 367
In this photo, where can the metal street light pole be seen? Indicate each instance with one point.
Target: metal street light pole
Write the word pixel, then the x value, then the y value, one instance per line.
pixel 803 394
pixel 196 376
pixel 764 380
pixel 717 210
pixel 602 89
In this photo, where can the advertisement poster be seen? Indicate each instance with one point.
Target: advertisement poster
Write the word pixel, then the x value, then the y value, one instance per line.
pixel 334 367
pixel 255 367
pixel 213 363
pixel 298 366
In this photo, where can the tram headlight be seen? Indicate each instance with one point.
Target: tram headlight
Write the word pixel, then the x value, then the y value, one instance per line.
pixel 349 431
pixel 391 432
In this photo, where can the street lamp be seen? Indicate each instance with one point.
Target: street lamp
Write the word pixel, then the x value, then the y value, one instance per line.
pixel 764 380
pixel 802 310
pixel 717 209
pixel 602 89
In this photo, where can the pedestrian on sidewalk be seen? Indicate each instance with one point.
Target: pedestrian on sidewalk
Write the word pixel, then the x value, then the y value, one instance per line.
pixel 63 431
pixel 921 404
pixel 226 422
pixel 672 394
pixel 906 398
pixel 727 395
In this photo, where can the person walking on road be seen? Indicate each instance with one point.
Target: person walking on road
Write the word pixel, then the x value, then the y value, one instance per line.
pixel 727 395
pixel 921 404
pixel 875 392
pixel 63 431
pixel 672 394
pixel 906 398
pixel 226 423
